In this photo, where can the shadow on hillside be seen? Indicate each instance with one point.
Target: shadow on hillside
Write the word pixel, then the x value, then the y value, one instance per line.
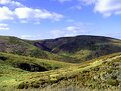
pixel 31 67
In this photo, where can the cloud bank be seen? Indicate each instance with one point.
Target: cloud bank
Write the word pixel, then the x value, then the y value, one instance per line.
pixel 108 7
pixel 72 30
pixel 22 12
pixel 104 7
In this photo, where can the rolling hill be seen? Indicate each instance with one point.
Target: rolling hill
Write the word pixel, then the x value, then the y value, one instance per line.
pixel 15 68
pixel 101 73
pixel 14 45
pixel 80 48
pixel 26 64
pixel 68 49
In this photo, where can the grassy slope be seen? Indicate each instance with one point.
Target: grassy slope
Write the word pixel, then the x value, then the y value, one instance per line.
pixel 14 45
pixel 11 74
pixel 101 73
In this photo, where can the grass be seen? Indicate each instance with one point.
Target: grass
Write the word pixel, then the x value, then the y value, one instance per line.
pixel 101 73
pixel 91 76
pixel 11 75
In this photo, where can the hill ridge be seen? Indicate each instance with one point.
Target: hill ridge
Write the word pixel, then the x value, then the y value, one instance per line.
pixel 68 49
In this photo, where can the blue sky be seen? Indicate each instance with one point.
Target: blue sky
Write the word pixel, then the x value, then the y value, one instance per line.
pixel 43 19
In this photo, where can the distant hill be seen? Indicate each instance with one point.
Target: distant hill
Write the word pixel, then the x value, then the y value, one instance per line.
pixel 14 45
pixel 18 46
pixel 68 49
pixel 81 47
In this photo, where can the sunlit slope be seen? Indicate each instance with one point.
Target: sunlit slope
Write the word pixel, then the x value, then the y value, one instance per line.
pixel 101 73
pixel 15 69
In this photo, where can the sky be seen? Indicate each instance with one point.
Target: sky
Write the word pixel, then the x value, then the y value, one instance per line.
pixel 44 19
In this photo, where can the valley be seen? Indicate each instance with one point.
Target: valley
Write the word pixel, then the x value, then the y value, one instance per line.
pixel 83 62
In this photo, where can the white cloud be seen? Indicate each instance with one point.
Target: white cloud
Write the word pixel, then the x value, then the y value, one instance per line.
pixel 26 36
pixel 36 14
pixel 5 13
pixel 10 2
pixel 30 37
pixel 71 30
pixel 4 27
pixel 23 13
pixel 64 32
pixel 108 7
pixel 3 2
pixel 105 7
pixel 28 14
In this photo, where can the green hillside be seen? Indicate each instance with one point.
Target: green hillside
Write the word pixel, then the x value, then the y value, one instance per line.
pixel 101 73
pixel 14 45
pixel 68 49
pixel 26 64
pixel 14 68
pixel 80 48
